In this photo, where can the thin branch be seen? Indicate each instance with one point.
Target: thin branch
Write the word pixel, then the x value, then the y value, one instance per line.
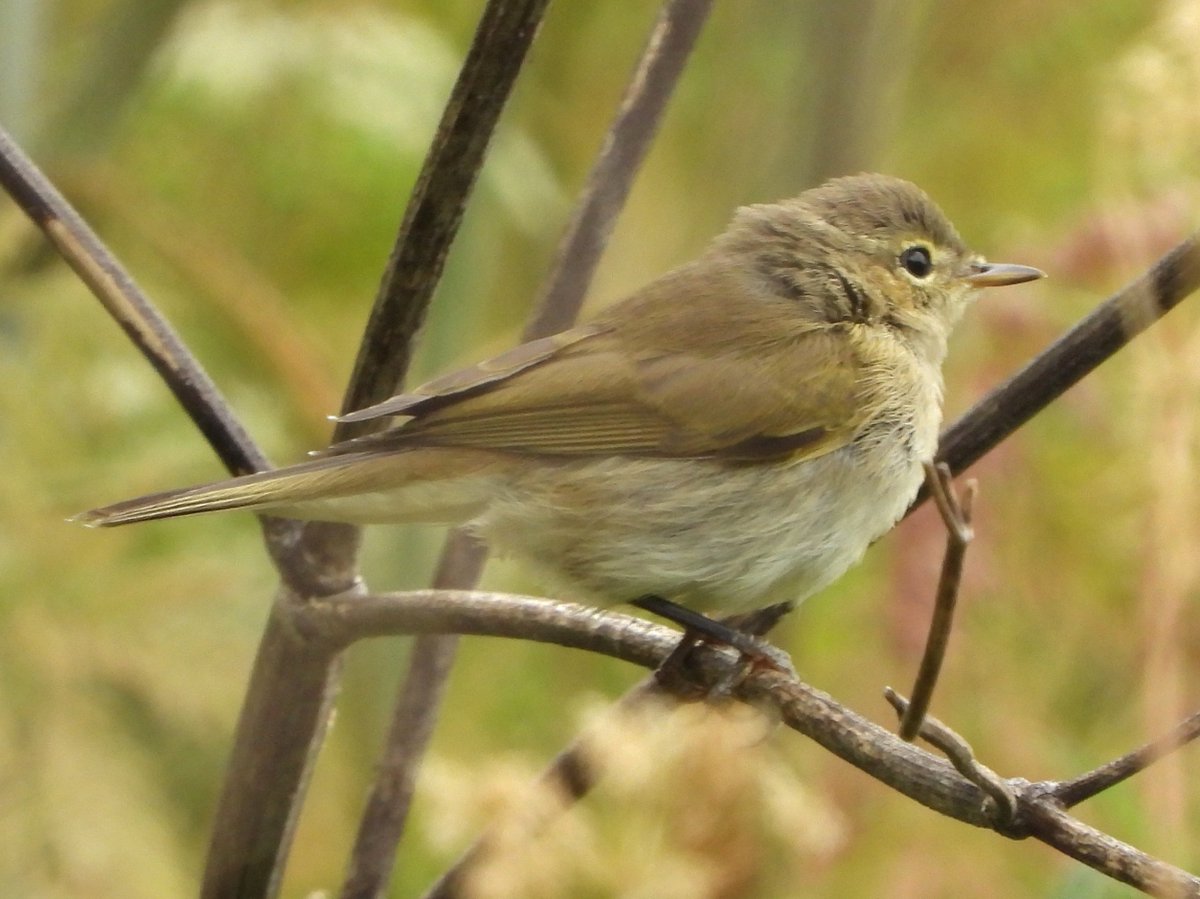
pixel 571 775
pixel 129 307
pixel 1057 828
pixel 1076 354
pixel 961 756
pixel 620 159
pixel 413 717
pixel 287 704
pixel 957 518
pixel 1078 789
pixel 435 209
pixel 290 696
pixel 926 778
pixel 670 42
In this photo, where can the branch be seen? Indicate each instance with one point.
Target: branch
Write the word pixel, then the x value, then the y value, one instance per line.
pixel 625 146
pixel 414 714
pixel 115 288
pixel 290 694
pixel 435 208
pixel 628 139
pixel 1076 790
pixel 1108 328
pixel 923 777
pixel 956 515
pixel 571 775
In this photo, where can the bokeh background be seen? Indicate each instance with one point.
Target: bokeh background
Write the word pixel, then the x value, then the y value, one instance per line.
pixel 249 161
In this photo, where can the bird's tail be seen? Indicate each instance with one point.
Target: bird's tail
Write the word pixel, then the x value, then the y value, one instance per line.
pixel 351 487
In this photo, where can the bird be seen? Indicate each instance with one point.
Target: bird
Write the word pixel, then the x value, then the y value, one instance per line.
pixel 731 436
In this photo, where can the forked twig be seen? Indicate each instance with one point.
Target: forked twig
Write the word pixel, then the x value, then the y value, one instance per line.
pixel 960 754
pixel 956 515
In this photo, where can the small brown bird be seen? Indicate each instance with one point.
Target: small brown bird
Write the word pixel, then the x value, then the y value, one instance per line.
pixel 734 434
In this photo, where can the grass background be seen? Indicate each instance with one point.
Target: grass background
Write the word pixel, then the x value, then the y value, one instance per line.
pixel 249 161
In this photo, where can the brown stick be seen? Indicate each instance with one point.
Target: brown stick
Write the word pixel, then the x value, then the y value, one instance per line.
pixel 1028 809
pixel 608 184
pixel 957 518
pixel 1108 328
pixel 288 700
pixel 431 219
pixel 115 288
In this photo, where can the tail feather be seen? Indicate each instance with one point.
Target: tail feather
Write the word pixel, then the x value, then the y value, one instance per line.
pixel 282 488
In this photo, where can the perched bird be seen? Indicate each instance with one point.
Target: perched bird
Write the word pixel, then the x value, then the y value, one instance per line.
pixel 733 435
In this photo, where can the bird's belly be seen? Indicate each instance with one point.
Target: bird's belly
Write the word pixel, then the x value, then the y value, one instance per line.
pixel 711 536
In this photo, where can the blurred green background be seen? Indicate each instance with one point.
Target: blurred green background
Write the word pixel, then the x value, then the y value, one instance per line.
pixel 249 161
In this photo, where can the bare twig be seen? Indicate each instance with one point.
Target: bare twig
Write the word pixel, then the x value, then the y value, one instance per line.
pixel 505 32
pixel 960 754
pixel 1056 827
pixel 1110 326
pixel 658 69
pixel 413 717
pixel 926 778
pixel 571 774
pixel 620 158
pixel 1074 791
pixel 287 705
pixel 957 518
pixel 129 307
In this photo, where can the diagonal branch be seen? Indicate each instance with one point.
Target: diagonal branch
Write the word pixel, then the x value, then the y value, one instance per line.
pixel 1085 786
pixel 628 139
pixel 919 775
pixel 1108 328
pixel 625 146
pixel 130 307
pixel 291 690
pixel 435 209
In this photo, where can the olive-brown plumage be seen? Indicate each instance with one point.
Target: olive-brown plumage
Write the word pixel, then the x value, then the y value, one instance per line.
pixel 733 434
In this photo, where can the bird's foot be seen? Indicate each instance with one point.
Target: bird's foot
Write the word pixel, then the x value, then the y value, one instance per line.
pixel 677 672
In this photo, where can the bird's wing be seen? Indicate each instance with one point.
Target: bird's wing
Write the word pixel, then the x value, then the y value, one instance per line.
pixel 583 393
pixel 468 381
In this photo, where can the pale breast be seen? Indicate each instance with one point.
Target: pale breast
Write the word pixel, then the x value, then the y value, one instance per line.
pixel 706 534
pixel 722 537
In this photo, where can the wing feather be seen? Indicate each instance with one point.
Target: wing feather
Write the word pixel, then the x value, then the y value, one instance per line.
pixel 757 387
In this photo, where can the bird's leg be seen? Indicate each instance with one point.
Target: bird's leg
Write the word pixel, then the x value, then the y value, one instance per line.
pixel 700 625
pixel 698 628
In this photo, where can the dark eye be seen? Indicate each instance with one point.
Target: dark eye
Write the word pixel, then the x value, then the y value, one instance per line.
pixel 917 261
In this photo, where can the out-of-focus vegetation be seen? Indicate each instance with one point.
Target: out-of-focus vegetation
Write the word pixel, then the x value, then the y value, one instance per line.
pixel 250 161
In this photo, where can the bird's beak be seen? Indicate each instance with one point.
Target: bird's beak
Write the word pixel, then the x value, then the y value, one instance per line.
pixel 998 274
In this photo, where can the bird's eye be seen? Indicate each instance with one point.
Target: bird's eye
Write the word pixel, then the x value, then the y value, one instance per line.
pixel 917 261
